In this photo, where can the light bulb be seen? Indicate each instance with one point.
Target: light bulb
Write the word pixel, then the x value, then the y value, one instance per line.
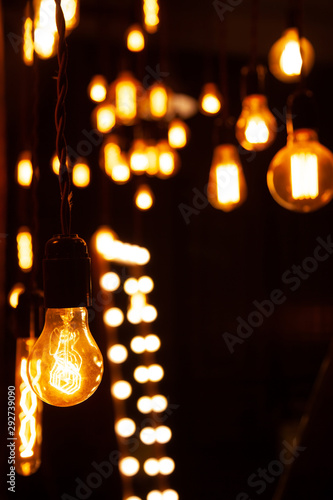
pixel 290 56
pixel 168 160
pixel 177 133
pixel 256 127
pixel 226 185
pixel 104 117
pixel 158 100
pixel 210 99
pixel 145 284
pixel 151 19
pixel 152 155
pixel 135 39
pixel 24 170
pixel 110 281
pixel 97 88
pixel 144 197
pixel 81 174
pixel 24 249
pixel 125 427
pixel 138 157
pixel 65 366
pixel 151 467
pixel 14 294
pixel 300 176
pixel 124 92
pixel 120 172
pixel 28 43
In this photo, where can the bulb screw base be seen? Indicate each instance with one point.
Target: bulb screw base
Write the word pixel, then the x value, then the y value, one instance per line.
pixel 66 272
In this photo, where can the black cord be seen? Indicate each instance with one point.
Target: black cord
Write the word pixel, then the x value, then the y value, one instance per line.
pixel 254 35
pixel 60 120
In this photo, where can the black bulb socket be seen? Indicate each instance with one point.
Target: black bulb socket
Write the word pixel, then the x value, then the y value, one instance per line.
pixel 302 110
pixel 66 272
pixel 252 80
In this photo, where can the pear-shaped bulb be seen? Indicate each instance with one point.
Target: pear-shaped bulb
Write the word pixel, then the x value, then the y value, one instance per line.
pixel 300 176
pixel 65 366
pixel 256 127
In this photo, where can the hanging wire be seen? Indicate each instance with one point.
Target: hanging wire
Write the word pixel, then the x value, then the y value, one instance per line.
pixel 254 35
pixel 60 120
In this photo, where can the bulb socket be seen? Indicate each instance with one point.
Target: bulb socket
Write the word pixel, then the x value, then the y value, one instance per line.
pixel 252 80
pixel 302 110
pixel 66 272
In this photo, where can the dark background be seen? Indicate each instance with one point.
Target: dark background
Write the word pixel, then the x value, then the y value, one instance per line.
pixel 232 412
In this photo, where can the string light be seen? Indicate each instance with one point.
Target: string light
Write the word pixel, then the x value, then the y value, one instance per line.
pixel 110 282
pixel 81 174
pixel 117 353
pixel 24 170
pixel 177 133
pixel 125 427
pixel 121 389
pixel 97 88
pixel 135 39
pixel 104 117
pixel 168 160
pixel 129 466
pixel 210 99
pixel 113 317
pixel 138 157
pixel 144 197
pixel 24 249
pixel 158 100
pixel 151 19
pixel 124 90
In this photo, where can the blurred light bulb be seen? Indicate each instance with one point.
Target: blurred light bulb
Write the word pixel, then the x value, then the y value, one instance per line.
pixel 151 467
pixel 120 172
pixel 129 466
pixel 151 19
pixel 113 317
pixel 168 160
pixel 121 389
pixel 141 374
pixel 134 316
pixel 158 100
pixel 163 434
pixel 28 43
pixel 145 404
pixel 131 286
pixel 125 427
pixel 152 343
pixel 81 174
pixel 166 465
pixel 138 157
pixel 177 133
pixel 24 249
pixel 104 238
pixel 44 42
pixel 124 89
pixel 135 38
pixel 138 344
pixel 170 495
pixel 111 153
pixel 159 403
pixel 226 184
pixel 147 435
pixel 104 117
pixel 110 282
pixel 145 284
pixel 152 155
pixel 24 170
pixel 65 366
pixel 210 99
pixel 256 127
pixel 117 353
pixel 300 176
pixel 144 197
pixel 154 495
pixel 155 373
pixel 290 56
pixel 149 314
pixel 14 294
pixel 97 88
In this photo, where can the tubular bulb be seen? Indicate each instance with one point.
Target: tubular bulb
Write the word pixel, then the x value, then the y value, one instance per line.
pixel 65 366
pixel 256 127
pixel 226 185
pixel 300 176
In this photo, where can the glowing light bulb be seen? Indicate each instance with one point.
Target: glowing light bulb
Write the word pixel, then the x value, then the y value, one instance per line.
pixel 168 160
pixel 125 427
pixel 154 495
pixel 81 174
pixel 256 127
pixel 226 184
pixel 144 197
pixel 45 42
pixel 159 403
pixel 151 19
pixel 144 404
pixel 155 373
pixel 124 90
pixel 166 465
pixel 65 366
pixel 138 157
pixel 24 170
pixel 158 100
pixel 210 99
pixel 117 353
pixel 113 316
pixel 110 282
pixel 290 56
pixel 24 249
pixel 14 294
pixel 145 284
pixel 138 344
pixel 121 389
pixel 163 434
pixel 120 172
pixel 135 39
pixel 56 165
pixel 28 409
pixel 28 43
pixel 104 117
pixel 147 435
pixel 177 133
pixel 300 176
pixel 97 88
pixel 152 343
pixel 129 466
pixel 152 155
pixel 141 374
pixel 170 495
pixel 149 313
pixel 151 467
pixel 131 286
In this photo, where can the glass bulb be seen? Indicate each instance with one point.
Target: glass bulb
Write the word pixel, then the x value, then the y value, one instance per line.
pixel 256 127
pixel 135 39
pixel 300 176
pixel 158 100
pixel 24 170
pixel 144 197
pixel 124 89
pixel 226 185
pixel 210 99
pixel 138 158
pixel 65 366
pixel 290 56
pixel 97 89
pixel 177 133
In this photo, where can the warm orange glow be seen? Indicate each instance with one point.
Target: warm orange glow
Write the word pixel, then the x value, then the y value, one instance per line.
pixel 24 249
pixel 55 164
pixel 138 157
pixel 125 427
pixel 120 172
pixel 256 127
pixel 125 95
pixel 117 353
pixel 226 184
pixel 109 281
pixel 28 44
pixel 290 56
pixel 158 100
pixel 65 366
pixel 129 466
pixel 14 294
pixel 300 176
pixel 210 99
pixel 24 170
pixel 28 431
pixel 152 155
pixel 121 389
pixel 81 175
pixel 110 248
pixel 135 39
pixel 97 88
pixel 177 134
pixel 168 160
pixel 151 19
pixel 105 117
pixel 113 317
pixel 144 197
